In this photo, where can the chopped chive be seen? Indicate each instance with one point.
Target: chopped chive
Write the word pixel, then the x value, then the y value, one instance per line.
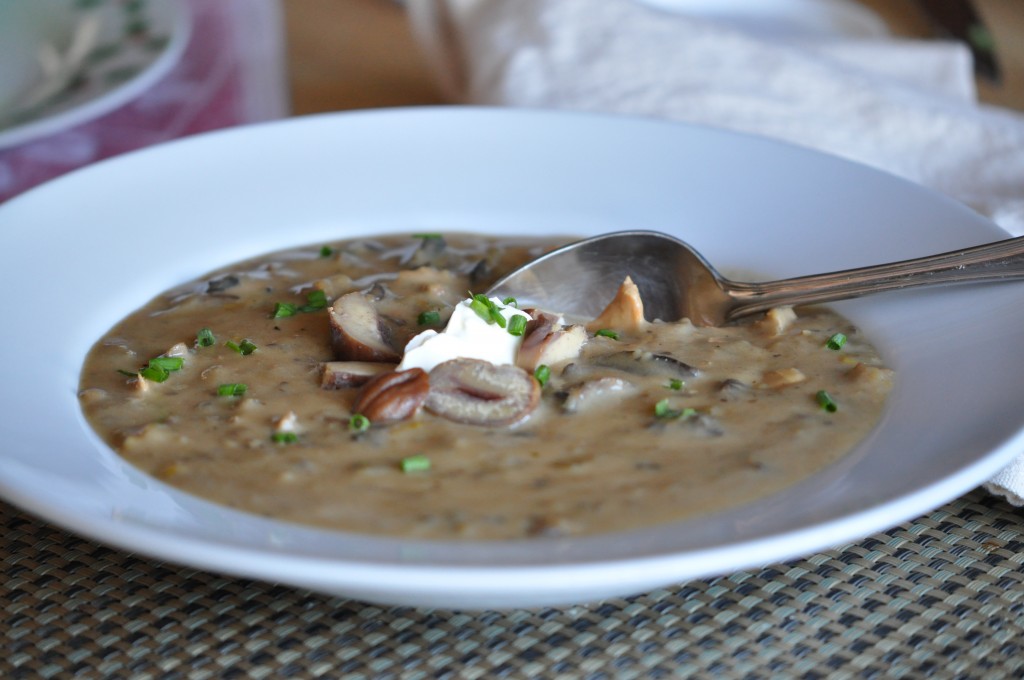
pixel 675 384
pixel 825 401
pixel 487 309
pixel 517 325
pixel 159 368
pixel 481 309
pixel 231 389
pixel 168 363
pixel 496 316
pixel 326 251
pixel 154 373
pixel 836 342
pixel 315 300
pixel 510 302
pixel 205 338
pixel 428 318
pixel 284 437
pixel 416 463
pixel 283 309
pixel 245 348
pixel 663 409
pixel 358 423
pixel 607 333
pixel 542 374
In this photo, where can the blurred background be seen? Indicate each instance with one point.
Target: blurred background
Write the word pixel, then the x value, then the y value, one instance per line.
pixel 84 80
pixel 345 54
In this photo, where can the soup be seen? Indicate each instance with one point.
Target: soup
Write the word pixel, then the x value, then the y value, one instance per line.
pixel 280 386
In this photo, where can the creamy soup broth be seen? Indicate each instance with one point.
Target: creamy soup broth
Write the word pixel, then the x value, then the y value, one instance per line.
pixel 664 422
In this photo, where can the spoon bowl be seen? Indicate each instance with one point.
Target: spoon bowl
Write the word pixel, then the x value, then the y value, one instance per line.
pixel 675 281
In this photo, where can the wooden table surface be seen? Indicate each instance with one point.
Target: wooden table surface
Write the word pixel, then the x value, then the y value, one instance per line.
pixel 351 54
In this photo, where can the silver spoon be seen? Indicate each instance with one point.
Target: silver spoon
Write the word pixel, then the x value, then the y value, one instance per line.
pixel 675 281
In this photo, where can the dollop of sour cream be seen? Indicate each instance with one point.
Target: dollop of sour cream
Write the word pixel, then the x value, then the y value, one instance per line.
pixel 467 336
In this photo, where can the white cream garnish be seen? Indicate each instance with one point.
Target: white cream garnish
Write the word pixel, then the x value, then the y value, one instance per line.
pixel 467 336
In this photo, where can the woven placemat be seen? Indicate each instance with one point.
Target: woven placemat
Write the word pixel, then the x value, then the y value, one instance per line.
pixel 942 596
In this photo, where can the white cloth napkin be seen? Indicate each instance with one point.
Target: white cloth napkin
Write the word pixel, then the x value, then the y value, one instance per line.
pixel 908 107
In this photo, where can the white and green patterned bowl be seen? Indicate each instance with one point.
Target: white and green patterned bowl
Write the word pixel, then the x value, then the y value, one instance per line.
pixel 136 44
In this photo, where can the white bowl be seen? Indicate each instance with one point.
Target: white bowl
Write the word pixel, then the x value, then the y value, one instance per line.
pixel 81 252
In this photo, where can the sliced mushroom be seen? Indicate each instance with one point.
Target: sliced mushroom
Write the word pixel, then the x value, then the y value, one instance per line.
pixel 480 273
pixel 378 291
pixel 776 320
pixel 641 362
pixel 138 384
pixel 422 278
pixel 398 302
pixel 870 375
pixel 178 349
pixel 339 374
pixel 429 250
pixel 573 370
pixel 624 313
pixel 393 396
pixel 222 284
pixel 289 422
pixel 783 377
pixel 335 286
pixel 707 425
pixel 359 333
pixel 732 388
pixel 668 363
pixel 591 392
pixel 547 342
pixel 479 393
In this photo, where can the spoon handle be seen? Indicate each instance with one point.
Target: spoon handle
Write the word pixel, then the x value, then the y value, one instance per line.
pixel 1000 260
